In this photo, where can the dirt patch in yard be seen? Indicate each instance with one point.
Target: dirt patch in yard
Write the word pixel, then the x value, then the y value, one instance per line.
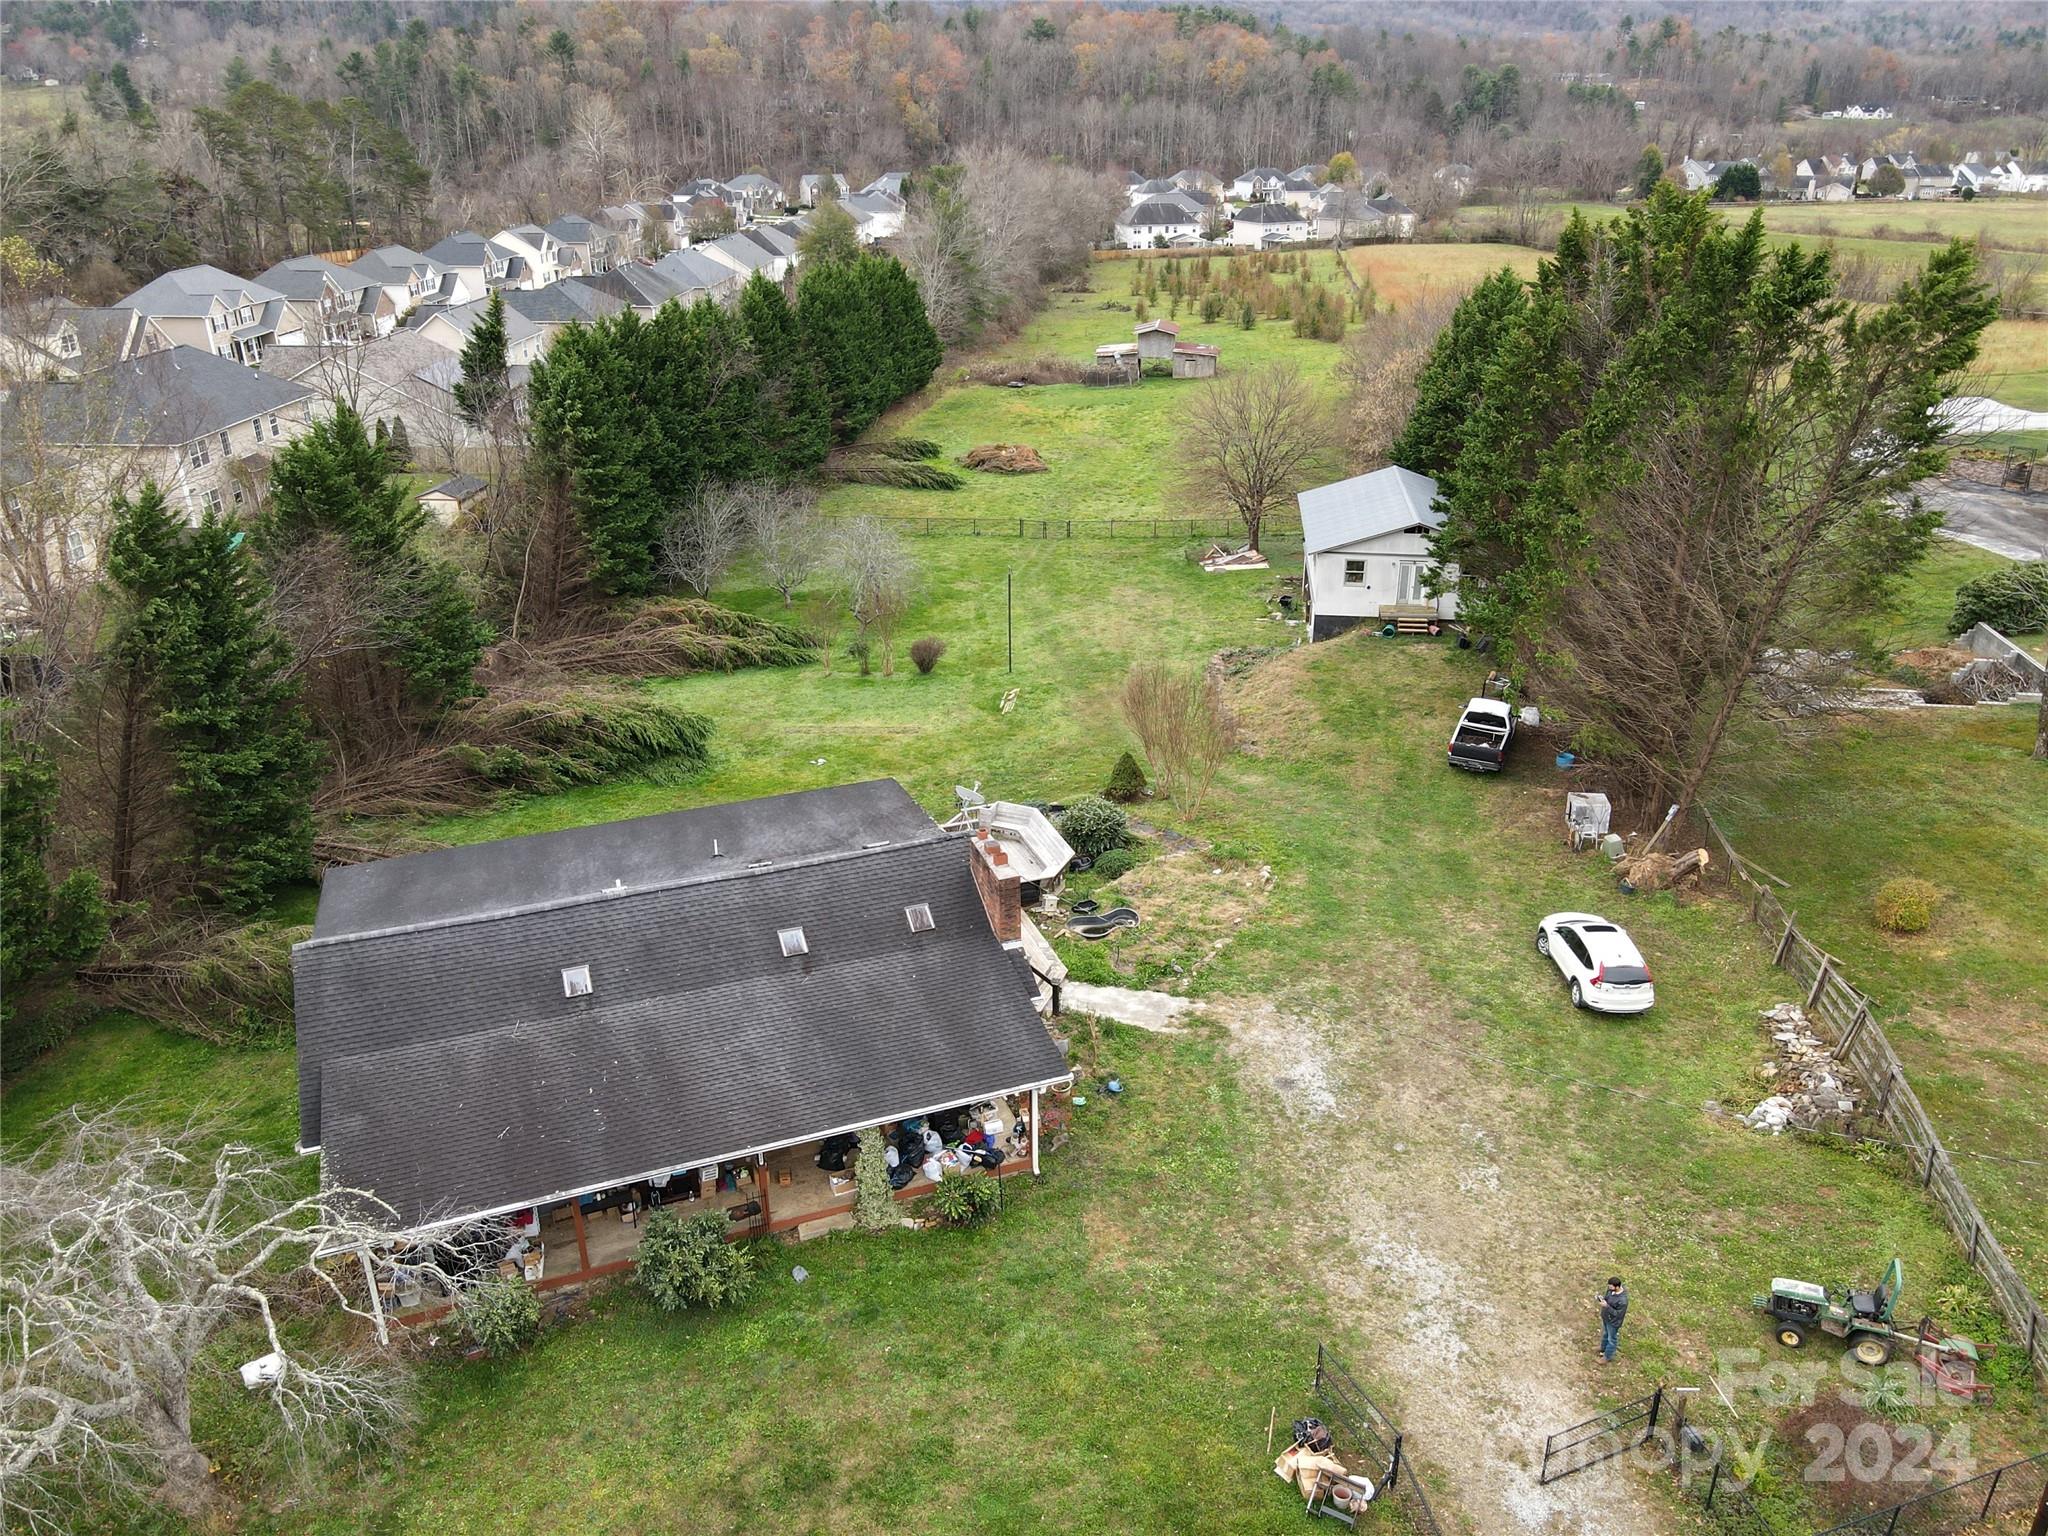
pixel 1191 909
pixel 1454 1238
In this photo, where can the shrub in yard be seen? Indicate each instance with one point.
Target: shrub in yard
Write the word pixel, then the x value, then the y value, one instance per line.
pixel 688 1263
pixel 925 652
pixel 1126 780
pixel 1906 905
pixel 2012 601
pixel 962 1199
pixel 1092 826
pixel 874 1203
pixel 500 1316
pixel 1116 863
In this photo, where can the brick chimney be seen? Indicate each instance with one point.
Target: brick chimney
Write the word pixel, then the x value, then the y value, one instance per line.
pixel 1001 891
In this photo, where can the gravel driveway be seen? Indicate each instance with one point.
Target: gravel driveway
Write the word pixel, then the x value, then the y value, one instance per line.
pixel 2009 523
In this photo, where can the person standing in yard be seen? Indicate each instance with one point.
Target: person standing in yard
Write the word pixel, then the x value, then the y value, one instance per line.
pixel 1613 1305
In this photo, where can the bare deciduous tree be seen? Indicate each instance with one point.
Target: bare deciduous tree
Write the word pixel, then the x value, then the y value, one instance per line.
pixel 128 1253
pixel 1382 361
pixel 788 537
pixel 874 574
pixel 707 533
pixel 1183 725
pixel 1253 440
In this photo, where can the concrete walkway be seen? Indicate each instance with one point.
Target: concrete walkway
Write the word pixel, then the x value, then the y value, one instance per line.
pixel 1155 1011
pixel 1980 413
pixel 2009 523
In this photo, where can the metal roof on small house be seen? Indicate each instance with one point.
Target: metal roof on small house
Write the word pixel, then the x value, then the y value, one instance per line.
pixel 1366 506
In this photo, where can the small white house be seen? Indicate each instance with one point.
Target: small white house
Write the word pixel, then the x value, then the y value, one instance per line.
pixel 1365 552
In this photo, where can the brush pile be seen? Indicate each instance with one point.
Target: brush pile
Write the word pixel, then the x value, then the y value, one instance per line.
pixel 901 463
pixel 1653 871
pixel 1004 459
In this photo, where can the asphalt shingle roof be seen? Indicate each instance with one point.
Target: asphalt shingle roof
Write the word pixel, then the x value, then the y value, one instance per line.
pixel 442 1066
pixel 159 399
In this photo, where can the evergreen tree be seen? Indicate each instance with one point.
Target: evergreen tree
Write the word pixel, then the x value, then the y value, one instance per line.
pixel 796 426
pixel 485 373
pixel 245 765
pixel 334 480
pixel 1649 170
pixel 839 325
pixel 39 927
pixel 908 338
pixel 1449 384
pixel 589 428
pixel 215 681
pixel 399 449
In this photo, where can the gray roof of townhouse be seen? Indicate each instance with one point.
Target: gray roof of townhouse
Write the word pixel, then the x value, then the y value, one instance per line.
pixel 1390 205
pixel 634 285
pixel 1366 506
pixel 458 487
pixel 390 263
pixel 696 272
pixel 1269 213
pixel 753 181
pixel 104 333
pixel 442 1066
pixel 568 301
pixel 889 181
pixel 573 229
pixel 1156 210
pixel 1262 172
pixel 192 290
pixel 745 252
pixel 872 203
pixel 159 399
pixel 518 327
pixel 776 242
pixel 464 248
pixel 1297 184
pixel 306 277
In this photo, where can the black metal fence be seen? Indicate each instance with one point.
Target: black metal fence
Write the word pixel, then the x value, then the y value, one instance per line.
pixel 1596 1439
pixel 1082 527
pixel 2013 1494
pixel 1363 1429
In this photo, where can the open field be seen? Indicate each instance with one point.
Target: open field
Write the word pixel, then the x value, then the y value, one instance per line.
pixel 1386 1128
pixel 1886 228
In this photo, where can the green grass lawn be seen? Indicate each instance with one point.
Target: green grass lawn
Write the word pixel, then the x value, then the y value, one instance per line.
pixel 1919 611
pixel 1954 798
pixel 1105 1356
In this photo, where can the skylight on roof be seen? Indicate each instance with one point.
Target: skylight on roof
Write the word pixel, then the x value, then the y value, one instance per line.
pixel 575 981
pixel 920 916
pixel 793 942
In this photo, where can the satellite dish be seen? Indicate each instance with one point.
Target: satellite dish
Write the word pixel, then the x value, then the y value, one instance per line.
pixel 968 798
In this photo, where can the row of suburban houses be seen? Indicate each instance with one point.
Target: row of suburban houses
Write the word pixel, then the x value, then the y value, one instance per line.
pixel 1264 207
pixel 196 377
pixel 1838 178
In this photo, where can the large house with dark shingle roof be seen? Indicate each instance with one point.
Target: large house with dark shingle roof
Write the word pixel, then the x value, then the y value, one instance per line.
pixel 212 310
pixel 697 1008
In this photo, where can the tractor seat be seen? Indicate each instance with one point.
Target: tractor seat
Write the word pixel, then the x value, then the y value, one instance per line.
pixel 1864 1303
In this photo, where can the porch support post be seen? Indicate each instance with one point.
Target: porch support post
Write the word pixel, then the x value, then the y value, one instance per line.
pixel 376 1301
pixel 1034 1131
pixel 761 1182
pixel 582 1244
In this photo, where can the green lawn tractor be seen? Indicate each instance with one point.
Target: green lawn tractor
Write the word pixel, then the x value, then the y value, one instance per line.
pixel 1864 1318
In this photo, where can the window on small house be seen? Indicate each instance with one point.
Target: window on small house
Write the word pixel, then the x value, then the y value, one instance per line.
pixel 199 453
pixel 75 549
pixel 575 981
pixel 225 449
pixel 275 431
pixel 793 942
pixel 1354 573
pixel 212 500
pixel 920 917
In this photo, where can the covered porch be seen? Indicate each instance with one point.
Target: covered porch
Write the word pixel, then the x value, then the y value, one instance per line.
pixel 782 1192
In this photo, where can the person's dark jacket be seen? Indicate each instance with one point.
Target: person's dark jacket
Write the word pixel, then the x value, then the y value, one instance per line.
pixel 1613 1307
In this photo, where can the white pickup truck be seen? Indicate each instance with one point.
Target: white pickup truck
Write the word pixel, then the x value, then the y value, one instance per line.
pixel 1480 742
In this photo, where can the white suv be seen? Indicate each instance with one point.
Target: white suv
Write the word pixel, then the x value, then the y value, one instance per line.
pixel 1604 970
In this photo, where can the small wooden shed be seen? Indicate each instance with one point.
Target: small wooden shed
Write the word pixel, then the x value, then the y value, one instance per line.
pixel 1192 360
pixel 1156 339
pixel 1118 362
pixel 453 497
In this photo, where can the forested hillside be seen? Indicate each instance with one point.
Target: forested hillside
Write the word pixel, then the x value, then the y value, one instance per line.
pixel 239 130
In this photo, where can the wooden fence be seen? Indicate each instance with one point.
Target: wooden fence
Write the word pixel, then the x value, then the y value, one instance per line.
pixel 1844 1017
pixel 1225 529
